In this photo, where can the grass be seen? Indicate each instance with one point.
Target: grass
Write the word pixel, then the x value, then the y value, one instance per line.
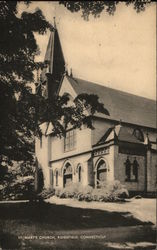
pixel 143 209
pixel 44 219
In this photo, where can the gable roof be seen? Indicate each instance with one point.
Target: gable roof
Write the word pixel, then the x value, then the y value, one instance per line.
pixel 121 105
pixel 104 137
pixel 121 133
pixel 125 135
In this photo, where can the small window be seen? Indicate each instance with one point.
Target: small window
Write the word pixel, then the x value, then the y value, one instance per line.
pixel 128 170
pixel 57 178
pixel 79 174
pixel 131 170
pixel 135 169
pixel 51 177
pixel 70 140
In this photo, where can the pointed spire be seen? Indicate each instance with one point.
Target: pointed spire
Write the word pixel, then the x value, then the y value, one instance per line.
pixel 48 56
pixel 54 57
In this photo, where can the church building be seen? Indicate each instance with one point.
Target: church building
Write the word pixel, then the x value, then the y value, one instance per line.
pixel 122 146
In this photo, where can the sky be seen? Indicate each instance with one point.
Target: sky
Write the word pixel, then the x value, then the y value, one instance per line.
pixel 116 51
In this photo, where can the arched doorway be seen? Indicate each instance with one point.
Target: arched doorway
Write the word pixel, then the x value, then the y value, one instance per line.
pixel 67 174
pixel 101 172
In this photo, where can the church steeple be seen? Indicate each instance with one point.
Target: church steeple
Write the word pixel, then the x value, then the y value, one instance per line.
pixel 54 58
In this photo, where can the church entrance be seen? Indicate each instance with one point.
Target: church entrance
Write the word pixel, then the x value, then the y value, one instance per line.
pixel 101 173
pixel 67 175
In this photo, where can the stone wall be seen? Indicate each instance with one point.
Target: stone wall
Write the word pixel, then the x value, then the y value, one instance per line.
pixel 151 171
pixel 120 172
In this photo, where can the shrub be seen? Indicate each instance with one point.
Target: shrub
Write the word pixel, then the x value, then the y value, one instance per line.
pixel 100 194
pixel 17 182
pixel 118 190
pixel 46 193
pixel 74 190
pixel 57 192
pixel 107 191
pixel 21 188
pixel 114 188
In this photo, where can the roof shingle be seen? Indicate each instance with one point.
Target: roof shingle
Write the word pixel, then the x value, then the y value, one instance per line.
pixel 121 105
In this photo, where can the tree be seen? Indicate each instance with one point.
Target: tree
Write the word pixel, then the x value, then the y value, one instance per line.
pixel 18 105
pixel 95 8
pixel 17 51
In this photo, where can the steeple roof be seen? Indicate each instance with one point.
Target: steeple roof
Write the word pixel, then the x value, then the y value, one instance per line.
pixel 54 57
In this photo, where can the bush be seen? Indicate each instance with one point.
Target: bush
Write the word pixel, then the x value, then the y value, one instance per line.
pixel 111 191
pixel 100 195
pixel 74 190
pixel 46 193
pixel 3 171
pixel 16 181
pixel 114 190
pixel 21 188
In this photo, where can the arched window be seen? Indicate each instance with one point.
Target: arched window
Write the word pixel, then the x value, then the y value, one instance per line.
pixel 56 177
pixel 128 170
pixel 79 174
pixel 52 177
pixel 101 172
pixel 135 169
pixel 131 170
pixel 138 134
pixel 67 174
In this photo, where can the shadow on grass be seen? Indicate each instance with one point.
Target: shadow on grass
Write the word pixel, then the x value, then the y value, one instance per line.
pixel 9 241
pixel 44 219
pixel 64 217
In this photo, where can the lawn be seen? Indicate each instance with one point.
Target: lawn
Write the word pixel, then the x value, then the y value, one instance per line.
pixel 143 209
pixel 52 226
